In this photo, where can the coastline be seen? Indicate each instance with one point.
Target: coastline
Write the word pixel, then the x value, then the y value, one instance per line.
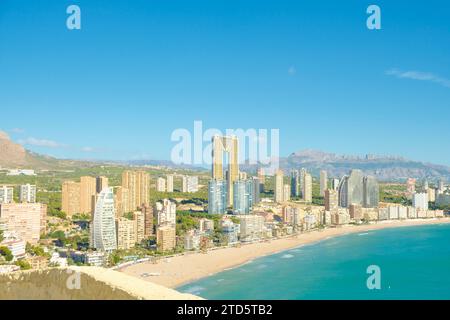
pixel 180 270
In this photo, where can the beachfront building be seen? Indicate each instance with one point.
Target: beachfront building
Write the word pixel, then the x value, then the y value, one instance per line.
pixel 420 201
pixel 217 197
pixel 126 233
pixel 230 230
pixel 166 238
pixel 243 196
pixel 206 225
pixel 251 227
pixel 192 240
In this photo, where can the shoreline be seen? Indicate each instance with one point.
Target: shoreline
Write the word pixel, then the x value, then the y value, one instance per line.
pixel 184 269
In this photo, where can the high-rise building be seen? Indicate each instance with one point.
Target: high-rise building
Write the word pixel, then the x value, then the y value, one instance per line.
pixel 355 212
pixel 307 188
pixel 148 215
pixel 351 190
pixel 335 184
pixel 251 227
pixel 138 185
pixel 243 175
pixel 169 183
pixel 139 221
pixel 371 192
pixel 88 190
pixel 6 194
pixel 331 201
pixel 27 193
pixel 161 185
pixel 229 145
pixel 256 190
pixel 166 212
pixel 126 233
pixel 303 172
pixel 262 179
pixel 287 193
pixel 441 186
pixel 217 197
pixel 122 202
pixel 295 183
pixel 166 238
pixel 420 201
pixel 243 196
pixel 103 233
pixel 279 186
pixel 101 183
pixel 70 198
pixel 28 220
pixel 431 194
pixel 190 184
pixel 323 182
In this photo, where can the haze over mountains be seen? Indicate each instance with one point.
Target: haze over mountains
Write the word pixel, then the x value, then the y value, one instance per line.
pixel 384 168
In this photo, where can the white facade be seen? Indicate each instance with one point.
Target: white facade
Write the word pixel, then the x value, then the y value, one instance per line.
pixel 27 193
pixel 166 212
pixel 161 185
pixel 6 194
pixel 170 183
pixel 190 184
pixel 104 234
pixel 420 201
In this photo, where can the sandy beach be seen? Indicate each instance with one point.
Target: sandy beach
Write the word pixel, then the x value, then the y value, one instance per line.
pixel 174 272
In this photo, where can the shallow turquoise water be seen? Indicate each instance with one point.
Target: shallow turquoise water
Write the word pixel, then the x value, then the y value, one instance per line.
pixel 414 263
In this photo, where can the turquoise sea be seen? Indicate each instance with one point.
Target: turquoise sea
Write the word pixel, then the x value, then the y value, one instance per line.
pixel 414 264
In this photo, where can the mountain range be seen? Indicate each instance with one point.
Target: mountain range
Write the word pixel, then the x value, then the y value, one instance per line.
pixel 384 168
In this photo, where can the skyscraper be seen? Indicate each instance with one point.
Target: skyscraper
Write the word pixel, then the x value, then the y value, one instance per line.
pixel 420 201
pixel 190 184
pixel 217 197
pixel 358 189
pixel 138 184
pixel 126 233
pixel 256 190
pixel 166 238
pixel 139 221
pixel 6 194
pixel 243 196
pixel 307 188
pixel 88 190
pixel 103 231
pixel 303 172
pixel 323 182
pixel 230 146
pixel 27 193
pixel 70 202
pixel 279 186
pixel 148 214
pixel 335 184
pixel 122 201
pixel 286 192
pixel 331 201
pixel 101 183
pixel 295 183
pixel 161 185
pixel 371 192
pixel 262 179
pixel 169 183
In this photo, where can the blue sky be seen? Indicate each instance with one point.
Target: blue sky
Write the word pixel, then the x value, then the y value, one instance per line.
pixel 137 70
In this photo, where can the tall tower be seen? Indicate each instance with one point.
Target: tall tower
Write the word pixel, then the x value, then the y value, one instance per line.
pixel 323 182
pixel 279 186
pixel 226 145
pixel 103 226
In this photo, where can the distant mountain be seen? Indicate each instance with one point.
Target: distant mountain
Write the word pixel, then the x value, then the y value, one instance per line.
pixel 384 168
pixel 13 155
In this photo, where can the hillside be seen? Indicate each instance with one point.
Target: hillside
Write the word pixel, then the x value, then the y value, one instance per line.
pixel 13 155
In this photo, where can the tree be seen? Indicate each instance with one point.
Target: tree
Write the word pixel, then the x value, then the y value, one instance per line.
pixel 23 264
pixel 4 251
pixel 1 236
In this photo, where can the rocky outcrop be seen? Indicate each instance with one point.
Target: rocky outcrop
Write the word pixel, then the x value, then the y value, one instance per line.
pixel 82 283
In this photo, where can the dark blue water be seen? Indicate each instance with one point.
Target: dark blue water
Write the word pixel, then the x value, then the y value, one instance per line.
pixel 414 264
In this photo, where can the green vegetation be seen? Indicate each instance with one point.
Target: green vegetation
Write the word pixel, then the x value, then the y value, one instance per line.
pixel 23 264
pixel 1 236
pixel 6 253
